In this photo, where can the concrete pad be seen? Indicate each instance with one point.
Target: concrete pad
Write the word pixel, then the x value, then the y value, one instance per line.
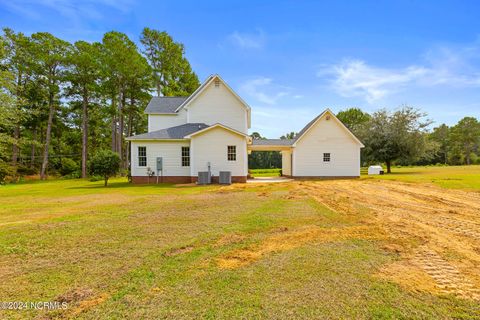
pixel 269 180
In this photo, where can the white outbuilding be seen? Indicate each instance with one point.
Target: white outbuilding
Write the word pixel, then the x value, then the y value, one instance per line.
pixel 372 170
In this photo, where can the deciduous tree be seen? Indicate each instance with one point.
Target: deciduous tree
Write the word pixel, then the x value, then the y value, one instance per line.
pixel 398 135
pixel 105 163
pixel 465 137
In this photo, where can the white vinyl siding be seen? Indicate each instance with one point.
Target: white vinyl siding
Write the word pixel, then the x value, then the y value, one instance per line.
pixel 162 121
pixel 327 140
pixel 218 105
pixel 171 153
pixel 211 147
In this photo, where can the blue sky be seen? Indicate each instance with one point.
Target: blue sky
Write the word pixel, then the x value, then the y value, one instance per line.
pixel 291 59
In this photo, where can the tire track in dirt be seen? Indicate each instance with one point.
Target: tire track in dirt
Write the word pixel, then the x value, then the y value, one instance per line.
pixel 432 223
pixel 448 278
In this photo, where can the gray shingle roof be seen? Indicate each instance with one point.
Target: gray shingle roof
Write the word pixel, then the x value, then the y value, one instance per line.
pixel 164 104
pixel 178 132
pixel 273 142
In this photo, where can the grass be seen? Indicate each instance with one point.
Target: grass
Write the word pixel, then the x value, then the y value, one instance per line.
pixel 452 177
pixel 153 251
pixel 265 172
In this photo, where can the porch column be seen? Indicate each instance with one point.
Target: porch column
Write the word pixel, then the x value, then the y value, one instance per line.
pixel 286 162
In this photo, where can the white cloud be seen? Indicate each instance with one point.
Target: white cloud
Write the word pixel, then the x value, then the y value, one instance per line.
pixel 248 40
pixel 442 67
pixel 264 90
pixel 356 78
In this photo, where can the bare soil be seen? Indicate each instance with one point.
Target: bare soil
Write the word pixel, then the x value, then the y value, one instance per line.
pixel 435 231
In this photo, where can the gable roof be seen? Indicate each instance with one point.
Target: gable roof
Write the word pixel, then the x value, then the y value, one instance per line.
pixel 273 142
pixel 217 125
pixel 204 85
pixel 177 132
pixel 172 105
pixel 316 119
pixel 164 105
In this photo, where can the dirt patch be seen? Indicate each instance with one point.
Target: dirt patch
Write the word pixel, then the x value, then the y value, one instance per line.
pixel 75 295
pixel 435 231
pixel 229 239
pixel 408 276
pixel 79 300
pixel 88 304
pixel 282 240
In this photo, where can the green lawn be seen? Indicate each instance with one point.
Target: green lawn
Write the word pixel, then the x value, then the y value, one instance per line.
pixel 151 252
pixel 265 172
pixel 455 177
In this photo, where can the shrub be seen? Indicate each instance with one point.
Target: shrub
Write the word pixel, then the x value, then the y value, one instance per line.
pixel 5 171
pixel 95 178
pixel 68 166
pixel 104 163
pixel 77 174
pixel 26 171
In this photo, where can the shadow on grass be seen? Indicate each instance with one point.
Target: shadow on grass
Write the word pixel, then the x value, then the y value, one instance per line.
pixel 118 185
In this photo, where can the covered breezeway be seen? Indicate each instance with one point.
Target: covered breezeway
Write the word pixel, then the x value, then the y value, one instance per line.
pixel 284 146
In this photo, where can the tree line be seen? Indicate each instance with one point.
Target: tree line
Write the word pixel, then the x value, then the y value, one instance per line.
pixel 401 137
pixel 61 101
pixel 404 137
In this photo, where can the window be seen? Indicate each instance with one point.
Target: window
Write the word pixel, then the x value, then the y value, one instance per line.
pixel 232 153
pixel 142 156
pixel 326 157
pixel 185 156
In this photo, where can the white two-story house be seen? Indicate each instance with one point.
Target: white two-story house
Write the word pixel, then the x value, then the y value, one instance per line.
pixel 208 131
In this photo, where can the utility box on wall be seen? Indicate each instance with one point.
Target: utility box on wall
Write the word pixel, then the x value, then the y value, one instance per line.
pixel 159 164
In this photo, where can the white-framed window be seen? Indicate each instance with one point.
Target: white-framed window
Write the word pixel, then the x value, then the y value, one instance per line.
pixel 185 156
pixel 326 157
pixel 142 156
pixel 232 153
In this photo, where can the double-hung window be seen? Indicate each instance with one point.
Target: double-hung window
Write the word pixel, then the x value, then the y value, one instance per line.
pixel 142 156
pixel 326 157
pixel 185 156
pixel 232 153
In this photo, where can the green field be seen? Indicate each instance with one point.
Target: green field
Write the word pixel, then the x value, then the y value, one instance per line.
pixel 456 177
pixel 189 252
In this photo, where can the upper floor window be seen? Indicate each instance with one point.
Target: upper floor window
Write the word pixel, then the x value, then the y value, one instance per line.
pixel 185 156
pixel 326 157
pixel 232 153
pixel 142 156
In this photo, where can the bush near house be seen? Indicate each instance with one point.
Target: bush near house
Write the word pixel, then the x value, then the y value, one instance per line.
pixel 105 163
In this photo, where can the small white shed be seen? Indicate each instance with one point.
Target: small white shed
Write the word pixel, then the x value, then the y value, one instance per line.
pixel 375 170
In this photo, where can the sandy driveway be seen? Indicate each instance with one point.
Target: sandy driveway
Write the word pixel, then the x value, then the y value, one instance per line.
pixel 435 231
